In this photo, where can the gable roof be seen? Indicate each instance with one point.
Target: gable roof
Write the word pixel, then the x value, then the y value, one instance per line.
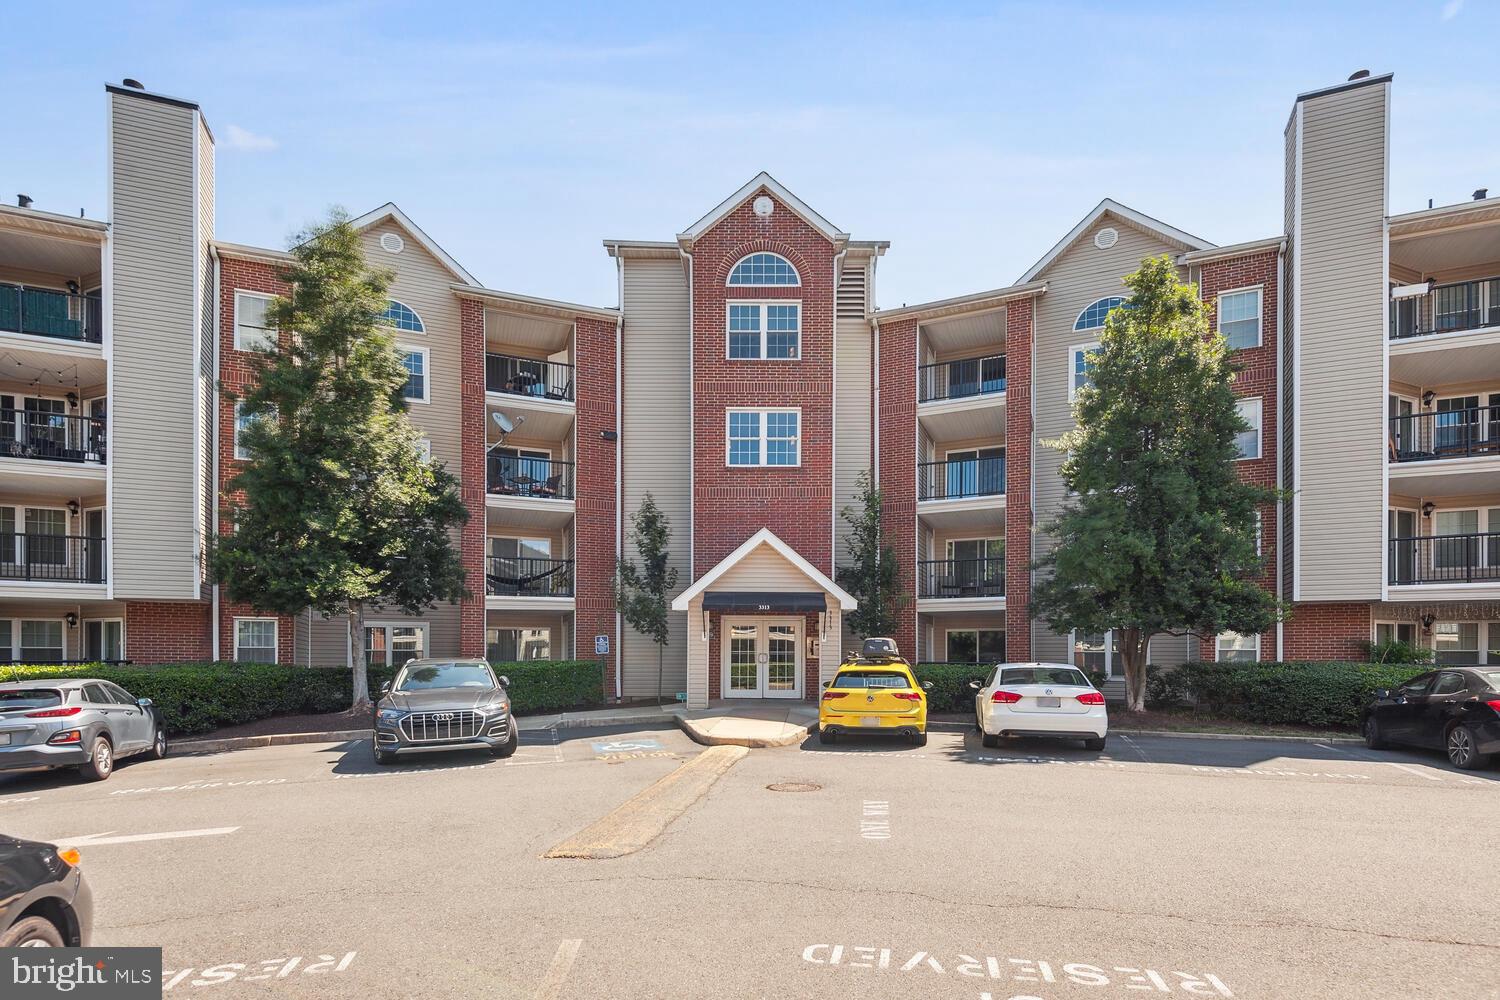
pixel 390 211
pixel 1126 214
pixel 763 181
pixel 765 536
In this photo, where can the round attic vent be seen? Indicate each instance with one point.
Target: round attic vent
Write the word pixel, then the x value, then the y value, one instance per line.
pixel 1106 238
pixel 391 243
pixel 763 206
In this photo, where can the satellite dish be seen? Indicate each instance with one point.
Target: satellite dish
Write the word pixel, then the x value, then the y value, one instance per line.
pixel 503 422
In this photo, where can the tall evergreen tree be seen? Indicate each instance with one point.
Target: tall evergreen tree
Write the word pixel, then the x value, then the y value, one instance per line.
pixel 641 591
pixel 1159 534
pixel 336 509
pixel 873 576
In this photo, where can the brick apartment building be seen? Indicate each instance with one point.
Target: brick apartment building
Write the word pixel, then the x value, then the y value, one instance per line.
pixel 745 379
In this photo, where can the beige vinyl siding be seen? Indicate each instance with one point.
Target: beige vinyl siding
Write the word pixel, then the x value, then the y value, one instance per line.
pixel 853 393
pixel 1079 276
pixel 302 639
pixel 1340 331
pixel 1286 540
pixel 656 447
pixel 763 568
pixel 155 485
pixel 208 360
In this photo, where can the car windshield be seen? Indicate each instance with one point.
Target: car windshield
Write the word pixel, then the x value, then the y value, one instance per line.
pixel 445 675
pixel 13 701
pixel 1492 677
pixel 1064 676
pixel 870 679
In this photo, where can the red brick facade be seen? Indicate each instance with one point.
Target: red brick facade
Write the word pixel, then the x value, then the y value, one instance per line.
pixel 898 461
pixel 594 541
pixel 1018 433
pixel 472 449
pixel 1326 632
pixel 796 503
pixel 167 631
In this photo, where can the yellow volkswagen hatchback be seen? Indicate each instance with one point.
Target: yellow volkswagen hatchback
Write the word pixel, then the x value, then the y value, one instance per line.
pixel 874 692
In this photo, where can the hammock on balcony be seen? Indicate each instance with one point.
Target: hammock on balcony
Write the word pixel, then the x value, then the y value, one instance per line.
pixel 496 580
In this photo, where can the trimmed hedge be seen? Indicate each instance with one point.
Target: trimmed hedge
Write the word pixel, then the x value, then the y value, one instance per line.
pixel 200 697
pixel 1320 693
pixel 950 684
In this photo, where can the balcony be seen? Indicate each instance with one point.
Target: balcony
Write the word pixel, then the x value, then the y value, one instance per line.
pixel 1444 559
pixel 518 477
pixel 44 558
pixel 506 373
pixel 509 576
pixel 963 379
pixel 53 437
pixel 46 313
pixel 956 479
pixel 952 579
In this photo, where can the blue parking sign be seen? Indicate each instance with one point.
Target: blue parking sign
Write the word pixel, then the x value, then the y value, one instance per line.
pixel 601 645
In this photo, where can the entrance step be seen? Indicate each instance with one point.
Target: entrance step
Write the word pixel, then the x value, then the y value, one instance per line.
pixel 750 724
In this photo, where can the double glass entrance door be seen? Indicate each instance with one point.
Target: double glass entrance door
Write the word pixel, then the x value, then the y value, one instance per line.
pixel 762 658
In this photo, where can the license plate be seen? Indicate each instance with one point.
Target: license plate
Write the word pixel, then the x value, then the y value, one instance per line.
pixel 869 720
pixel 4 739
pixel 1045 702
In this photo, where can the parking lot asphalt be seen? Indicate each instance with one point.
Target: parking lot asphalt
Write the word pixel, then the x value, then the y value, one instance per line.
pixel 1160 866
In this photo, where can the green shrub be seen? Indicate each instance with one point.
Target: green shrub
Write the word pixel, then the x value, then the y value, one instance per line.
pixel 1165 687
pixel 201 697
pixel 950 684
pixel 1326 694
pixel 1396 651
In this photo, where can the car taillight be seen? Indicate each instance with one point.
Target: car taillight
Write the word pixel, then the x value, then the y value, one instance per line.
pixel 1004 698
pixel 908 695
pixel 831 695
pixel 1091 698
pixel 66 736
pixel 54 713
pixel 1494 704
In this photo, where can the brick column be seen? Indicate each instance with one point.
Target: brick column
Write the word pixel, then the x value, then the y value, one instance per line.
pixel 471 475
pixel 1018 432
pixel 898 463
pixel 594 538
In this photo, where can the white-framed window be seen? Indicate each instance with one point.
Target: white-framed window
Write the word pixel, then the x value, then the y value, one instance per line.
pixel 974 645
pixel 33 537
pixel 390 644
pixel 26 640
pixel 763 269
pixel 1232 646
pixel 510 645
pixel 255 640
pixel 252 331
pixel 424 448
pixel 415 360
pixel 1248 442
pixel 1096 312
pixel 241 421
pixel 104 639
pixel 1099 651
pixel 400 316
pixel 764 437
pixel 1456 643
pixel 763 331
pixel 1239 318
pixel 1405 632
pixel 1079 368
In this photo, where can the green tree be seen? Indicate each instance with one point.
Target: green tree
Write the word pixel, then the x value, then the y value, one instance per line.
pixel 1159 534
pixel 641 592
pixel 873 576
pixel 335 509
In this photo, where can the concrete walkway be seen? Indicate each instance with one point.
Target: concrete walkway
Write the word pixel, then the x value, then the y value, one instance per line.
pixel 750 723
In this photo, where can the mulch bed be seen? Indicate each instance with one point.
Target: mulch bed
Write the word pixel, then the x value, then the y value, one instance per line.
pixel 277 724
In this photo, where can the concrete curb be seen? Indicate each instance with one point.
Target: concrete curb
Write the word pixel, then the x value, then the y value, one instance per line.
pixel 749 742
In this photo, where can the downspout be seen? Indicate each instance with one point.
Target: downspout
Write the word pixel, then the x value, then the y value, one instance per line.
pixel 833 438
pixel 871 311
pixel 213 629
pixel 619 467
pixel 687 257
pixel 1280 445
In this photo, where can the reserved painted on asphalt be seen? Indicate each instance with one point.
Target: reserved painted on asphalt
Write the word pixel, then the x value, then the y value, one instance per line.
pixel 262 969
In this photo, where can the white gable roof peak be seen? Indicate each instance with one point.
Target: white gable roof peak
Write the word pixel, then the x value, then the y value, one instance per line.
pixel 763 182
pixel 765 536
pixel 1111 207
pixel 390 211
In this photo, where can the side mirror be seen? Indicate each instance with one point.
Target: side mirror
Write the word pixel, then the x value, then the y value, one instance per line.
pixel 505 682
pixel 143 702
pixel 827 683
pixel 974 685
pixel 927 685
pixel 1383 693
pixel 385 689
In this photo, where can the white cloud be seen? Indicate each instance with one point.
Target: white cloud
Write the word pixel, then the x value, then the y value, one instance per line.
pixel 244 139
pixel 1451 9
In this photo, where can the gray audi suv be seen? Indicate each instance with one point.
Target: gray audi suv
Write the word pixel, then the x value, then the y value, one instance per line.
pixel 436 704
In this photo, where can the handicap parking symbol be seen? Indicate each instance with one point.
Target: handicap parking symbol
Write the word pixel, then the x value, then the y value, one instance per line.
pixel 625 746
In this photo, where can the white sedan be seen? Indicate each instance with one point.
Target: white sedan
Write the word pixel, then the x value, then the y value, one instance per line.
pixel 1040 699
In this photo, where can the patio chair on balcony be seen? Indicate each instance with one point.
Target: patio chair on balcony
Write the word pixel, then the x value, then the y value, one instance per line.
pixel 565 393
pixel 550 487
pixel 947 586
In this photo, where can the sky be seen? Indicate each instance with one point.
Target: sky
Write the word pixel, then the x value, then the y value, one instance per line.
pixel 971 136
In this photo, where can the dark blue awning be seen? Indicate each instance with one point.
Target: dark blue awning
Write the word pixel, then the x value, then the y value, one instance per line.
pixel 753 602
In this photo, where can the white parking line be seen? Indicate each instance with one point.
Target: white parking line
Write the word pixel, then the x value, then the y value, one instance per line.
pixel 95 839
pixel 875 820
pixel 1376 760
pixel 557 972
pixel 1132 744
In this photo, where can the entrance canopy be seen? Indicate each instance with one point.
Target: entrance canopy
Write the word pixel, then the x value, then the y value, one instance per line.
pixel 762 562
pixel 753 602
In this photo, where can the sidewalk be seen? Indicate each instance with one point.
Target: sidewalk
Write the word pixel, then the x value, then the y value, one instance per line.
pixel 750 724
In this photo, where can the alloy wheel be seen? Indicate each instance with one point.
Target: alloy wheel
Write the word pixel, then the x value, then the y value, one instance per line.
pixel 1460 746
pixel 104 757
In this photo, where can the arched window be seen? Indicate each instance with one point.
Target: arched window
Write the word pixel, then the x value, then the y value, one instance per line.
pixel 764 269
pixel 402 317
pixel 1093 317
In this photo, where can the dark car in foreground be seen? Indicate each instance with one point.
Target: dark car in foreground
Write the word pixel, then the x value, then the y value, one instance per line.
pixel 1456 709
pixel 436 704
pixel 44 900
pixel 76 721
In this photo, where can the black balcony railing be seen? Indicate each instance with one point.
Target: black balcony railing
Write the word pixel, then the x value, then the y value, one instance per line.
pixel 1468 558
pixel 958 379
pixel 961 577
pixel 1460 433
pixel 1447 309
pixel 539 478
pixel 528 377
pixel 970 477
pixel 52 558
pixel 47 313
pixel 59 437
pixel 515 576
